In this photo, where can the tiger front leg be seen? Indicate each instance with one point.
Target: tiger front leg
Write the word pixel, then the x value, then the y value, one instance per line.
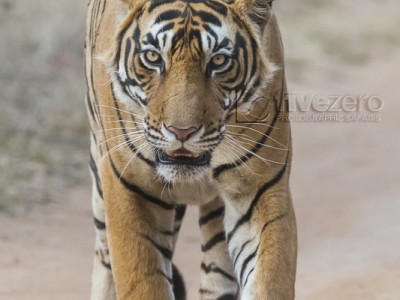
pixel 218 279
pixel 103 287
pixel 262 243
pixel 139 230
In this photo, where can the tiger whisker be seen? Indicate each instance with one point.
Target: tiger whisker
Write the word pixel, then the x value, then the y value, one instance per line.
pixel 225 151
pixel 112 118
pixel 111 79
pixel 127 135
pixel 232 151
pixel 162 191
pixel 121 110
pixel 259 132
pixel 259 123
pixel 120 146
pixel 124 121
pixel 119 128
pixel 250 152
pixel 267 161
pixel 236 157
pixel 254 142
pixel 114 149
pixel 142 147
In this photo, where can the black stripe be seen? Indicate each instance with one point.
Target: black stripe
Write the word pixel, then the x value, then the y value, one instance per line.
pixel 277 218
pixel 254 63
pixel 204 291
pixel 215 269
pixel 167 253
pixel 176 45
pixel 207 17
pixel 180 212
pixel 231 80
pixel 95 172
pixel 245 263
pixel 178 284
pixel 172 232
pixel 135 189
pixel 217 171
pixel 168 232
pixel 131 146
pixel 128 48
pixel 165 276
pixel 106 265
pixel 89 105
pixel 218 238
pixel 247 277
pixel 227 297
pixel 168 15
pixel 94 139
pixel 95 23
pixel 99 224
pixel 246 157
pixel 217 7
pixel 211 32
pixel 157 3
pixel 250 94
pixel 241 250
pixel 167 27
pixel 120 43
pixel 211 215
pixel 246 217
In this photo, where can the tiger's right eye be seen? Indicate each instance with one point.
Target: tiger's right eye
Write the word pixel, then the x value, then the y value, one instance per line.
pixel 219 60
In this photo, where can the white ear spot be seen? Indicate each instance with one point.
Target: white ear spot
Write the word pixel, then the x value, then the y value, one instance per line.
pixel 271 69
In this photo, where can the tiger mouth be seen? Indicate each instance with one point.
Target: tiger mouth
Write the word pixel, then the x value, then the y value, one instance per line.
pixel 183 156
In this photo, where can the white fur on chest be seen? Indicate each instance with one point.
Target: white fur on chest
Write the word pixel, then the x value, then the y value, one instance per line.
pixel 194 193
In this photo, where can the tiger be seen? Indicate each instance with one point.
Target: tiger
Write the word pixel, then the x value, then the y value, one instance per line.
pixel 185 100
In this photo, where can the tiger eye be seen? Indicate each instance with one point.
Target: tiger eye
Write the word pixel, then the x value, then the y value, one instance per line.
pixel 219 60
pixel 152 56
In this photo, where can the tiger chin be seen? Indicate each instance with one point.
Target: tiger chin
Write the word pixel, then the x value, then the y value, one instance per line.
pixel 184 101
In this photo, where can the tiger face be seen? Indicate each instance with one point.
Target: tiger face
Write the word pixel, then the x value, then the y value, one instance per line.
pixel 185 67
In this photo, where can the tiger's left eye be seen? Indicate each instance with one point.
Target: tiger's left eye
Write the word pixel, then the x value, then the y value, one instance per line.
pixel 219 60
pixel 152 57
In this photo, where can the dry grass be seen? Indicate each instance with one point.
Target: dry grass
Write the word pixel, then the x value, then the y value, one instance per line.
pixel 43 136
pixel 43 127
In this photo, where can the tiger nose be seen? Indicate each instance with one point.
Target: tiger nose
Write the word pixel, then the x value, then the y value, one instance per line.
pixel 182 134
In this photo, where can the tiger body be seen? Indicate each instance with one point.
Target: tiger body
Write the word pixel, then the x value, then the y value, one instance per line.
pixel 184 100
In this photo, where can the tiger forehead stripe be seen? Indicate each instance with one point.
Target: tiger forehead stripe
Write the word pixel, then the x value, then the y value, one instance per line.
pixel 173 14
pixel 194 21
pixel 214 5
pixel 194 29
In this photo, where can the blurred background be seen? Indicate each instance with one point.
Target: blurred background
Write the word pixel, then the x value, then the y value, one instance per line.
pixel 345 175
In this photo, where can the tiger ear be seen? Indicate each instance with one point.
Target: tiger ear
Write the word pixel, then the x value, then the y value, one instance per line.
pixel 257 12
